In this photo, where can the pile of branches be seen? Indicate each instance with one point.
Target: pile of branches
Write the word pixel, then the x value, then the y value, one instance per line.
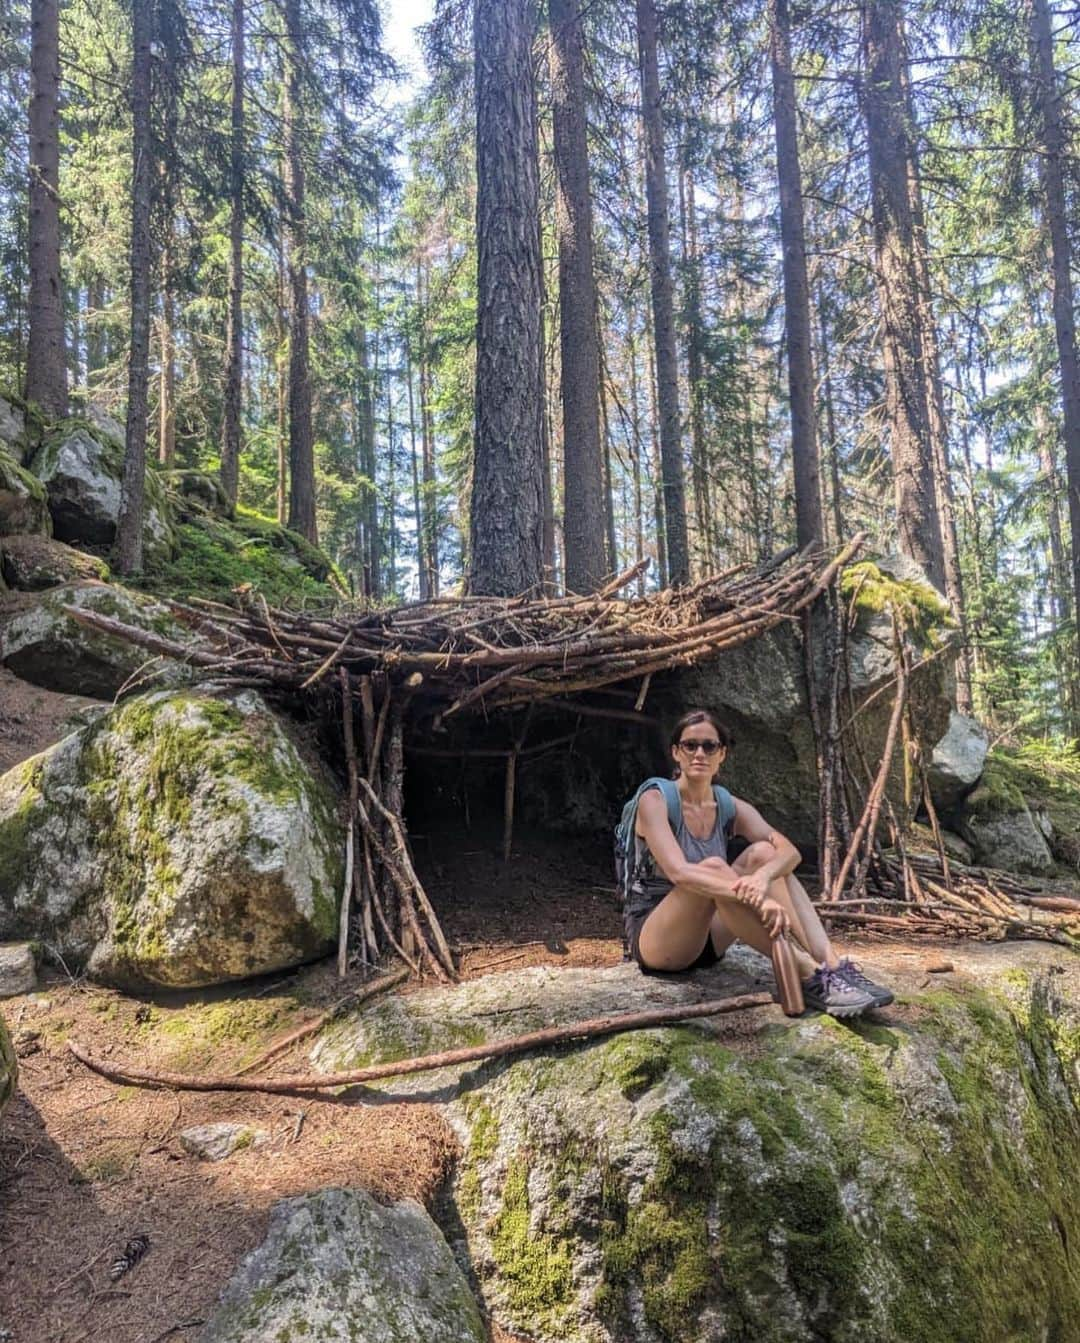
pixel 878 881
pixel 497 651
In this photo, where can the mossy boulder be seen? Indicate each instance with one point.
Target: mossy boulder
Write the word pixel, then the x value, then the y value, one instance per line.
pixel 9 1068
pixel 1046 779
pixel 338 1267
pixel 82 469
pixel 23 504
pixel 37 563
pixel 195 493
pixel 758 1180
pixel 1001 828
pixel 180 840
pixel 43 643
pixel 956 763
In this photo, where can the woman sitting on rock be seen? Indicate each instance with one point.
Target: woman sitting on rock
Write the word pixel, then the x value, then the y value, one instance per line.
pixel 686 904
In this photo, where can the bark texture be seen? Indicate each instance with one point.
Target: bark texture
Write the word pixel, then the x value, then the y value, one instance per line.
pixel 907 407
pixel 506 515
pixel 804 445
pixel 301 436
pixel 1052 161
pixel 583 490
pixel 129 527
pixel 667 364
pixel 46 370
pixel 234 329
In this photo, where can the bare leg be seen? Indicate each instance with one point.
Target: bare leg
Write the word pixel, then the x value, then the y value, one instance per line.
pixel 789 892
pixel 674 933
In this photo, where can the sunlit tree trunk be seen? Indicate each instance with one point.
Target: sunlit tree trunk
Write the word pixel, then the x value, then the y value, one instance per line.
pixel 667 366
pixel 46 367
pixel 507 505
pixel 128 554
pixel 804 447
pixel 583 469
pixel 234 322
pixel 301 437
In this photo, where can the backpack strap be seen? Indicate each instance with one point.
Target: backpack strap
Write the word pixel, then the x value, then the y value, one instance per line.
pixel 725 807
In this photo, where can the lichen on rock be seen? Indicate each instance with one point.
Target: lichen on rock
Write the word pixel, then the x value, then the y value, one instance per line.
pixel 23 506
pixel 339 1267
pixel 180 840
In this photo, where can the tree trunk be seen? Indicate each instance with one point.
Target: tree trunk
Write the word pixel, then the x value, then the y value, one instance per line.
pixel 1052 167
pixel 939 433
pixel 507 505
pixel 95 328
pixel 282 363
pixel 699 447
pixel 129 528
pixel 428 496
pixel 370 550
pixel 167 383
pixel 804 447
pixel 667 367
pixel 234 322
pixel 301 438
pixel 583 491
pixel 46 366
pixel 418 511
pixel 888 140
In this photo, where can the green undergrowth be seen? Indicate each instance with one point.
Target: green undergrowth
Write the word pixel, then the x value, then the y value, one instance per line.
pixel 214 557
pixel 202 1034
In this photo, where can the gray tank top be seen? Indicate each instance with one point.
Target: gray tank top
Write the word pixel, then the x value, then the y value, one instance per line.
pixel 648 886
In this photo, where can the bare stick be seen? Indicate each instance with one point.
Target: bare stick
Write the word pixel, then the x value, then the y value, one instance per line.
pixel 518 1044
pixel 350 847
pixel 309 1028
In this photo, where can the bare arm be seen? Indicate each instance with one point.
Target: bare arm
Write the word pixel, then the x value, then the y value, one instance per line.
pixel 654 828
pixel 751 825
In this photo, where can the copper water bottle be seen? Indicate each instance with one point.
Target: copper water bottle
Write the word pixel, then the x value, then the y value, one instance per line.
pixel 788 983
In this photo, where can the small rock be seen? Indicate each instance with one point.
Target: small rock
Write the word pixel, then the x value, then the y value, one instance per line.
pixel 26 1042
pixel 957 761
pixel 18 968
pixel 215 1142
pixel 939 968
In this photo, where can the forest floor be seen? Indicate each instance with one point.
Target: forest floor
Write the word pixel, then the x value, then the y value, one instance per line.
pixel 86 1165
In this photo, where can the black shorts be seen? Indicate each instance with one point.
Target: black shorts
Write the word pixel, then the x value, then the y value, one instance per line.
pixel 633 924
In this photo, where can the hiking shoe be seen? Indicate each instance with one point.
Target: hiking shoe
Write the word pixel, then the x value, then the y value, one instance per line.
pixel 853 973
pixel 829 991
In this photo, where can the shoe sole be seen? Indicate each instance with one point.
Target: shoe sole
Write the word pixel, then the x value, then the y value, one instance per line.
pixel 842 1010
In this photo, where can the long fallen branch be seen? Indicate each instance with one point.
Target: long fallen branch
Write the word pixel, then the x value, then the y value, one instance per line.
pixel 518 1044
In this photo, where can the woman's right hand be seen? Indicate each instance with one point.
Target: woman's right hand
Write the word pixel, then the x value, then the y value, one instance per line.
pixel 772 914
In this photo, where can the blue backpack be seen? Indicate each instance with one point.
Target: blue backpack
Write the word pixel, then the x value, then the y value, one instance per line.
pixel 626 830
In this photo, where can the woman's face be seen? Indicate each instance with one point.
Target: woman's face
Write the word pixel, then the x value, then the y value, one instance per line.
pixel 699 753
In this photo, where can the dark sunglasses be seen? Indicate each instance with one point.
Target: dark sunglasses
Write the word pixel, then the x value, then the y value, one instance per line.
pixel 709 747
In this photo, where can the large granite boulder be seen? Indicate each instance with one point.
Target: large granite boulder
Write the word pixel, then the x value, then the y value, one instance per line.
pixel 194 493
pixel 337 1266
pixel 23 505
pixel 754 1178
pixel 9 1068
pixel 82 474
pixel 957 762
pixel 41 642
pixel 179 840
pixel 36 563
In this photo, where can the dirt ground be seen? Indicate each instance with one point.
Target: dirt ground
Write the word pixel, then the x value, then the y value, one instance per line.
pixel 31 718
